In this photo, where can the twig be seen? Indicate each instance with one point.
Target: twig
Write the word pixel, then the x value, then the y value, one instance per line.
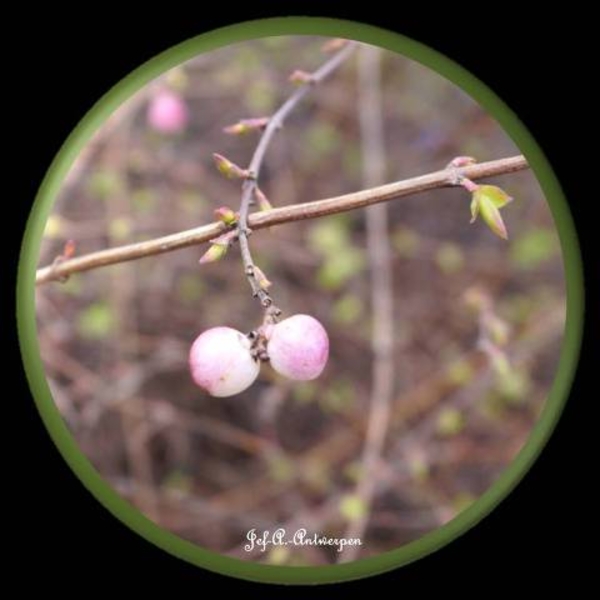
pixel 278 216
pixel 275 123
pixel 378 244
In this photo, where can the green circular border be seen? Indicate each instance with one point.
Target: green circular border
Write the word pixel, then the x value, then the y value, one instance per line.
pixel 66 444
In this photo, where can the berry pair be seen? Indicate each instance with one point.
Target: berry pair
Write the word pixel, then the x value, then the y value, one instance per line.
pixel 223 363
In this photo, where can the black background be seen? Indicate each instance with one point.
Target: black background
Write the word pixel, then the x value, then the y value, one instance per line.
pixel 541 68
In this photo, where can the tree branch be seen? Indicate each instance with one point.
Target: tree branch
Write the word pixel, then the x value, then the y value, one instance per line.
pixel 278 216
pixel 382 293
pixel 249 186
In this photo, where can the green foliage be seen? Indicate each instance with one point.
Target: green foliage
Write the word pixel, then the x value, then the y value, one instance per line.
pixel 449 258
pixel 353 471
pixel 72 286
pixel 352 507
pixel 351 160
pixel 492 193
pixel 189 289
pixel 405 241
pixel 450 422
pixel 304 392
pixel 347 309
pixel 320 140
pixel 278 555
pixel 96 321
pixel 487 201
pixel 337 269
pixel 328 236
pixel 460 372
pixel 281 468
pixel 192 202
pixel 534 247
pixel 119 228
pixel 338 397
pixel 260 97
pixel 104 183
pixel 55 227
pixel 514 388
pixel 317 476
pixel 462 501
pixel 341 260
pixel 178 481
pixel 144 200
pixel 517 308
pixel 501 364
pixel 419 468
pixel 498 330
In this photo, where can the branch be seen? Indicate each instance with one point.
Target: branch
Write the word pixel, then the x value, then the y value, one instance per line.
pixel 249 186
pixel 382 292
pixel 278 216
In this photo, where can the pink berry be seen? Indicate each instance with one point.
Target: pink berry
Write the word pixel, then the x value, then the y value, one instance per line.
pixel 298 347
pixel 167 112
pixel 221 363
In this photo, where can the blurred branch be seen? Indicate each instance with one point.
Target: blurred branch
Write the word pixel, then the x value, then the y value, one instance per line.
pixel 278 216
pixel 421 402
pixel 249 186
pixel 380 261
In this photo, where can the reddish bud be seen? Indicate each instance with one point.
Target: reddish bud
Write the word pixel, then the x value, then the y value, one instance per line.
pixel 461 161
pixel 68 249
pixel 333 45
pixel 299 77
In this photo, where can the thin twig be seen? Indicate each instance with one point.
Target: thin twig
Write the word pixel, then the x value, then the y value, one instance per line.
pixel 275 123
pixel 380 260
pixel 278 216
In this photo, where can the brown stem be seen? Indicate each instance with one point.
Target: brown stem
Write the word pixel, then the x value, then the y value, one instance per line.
pixel 278 216
pixel 380 261
pixel 275 123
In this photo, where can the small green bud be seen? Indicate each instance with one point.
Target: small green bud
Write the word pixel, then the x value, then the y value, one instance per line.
pixel 244 126
pixel 491 215
pixel 218 247
pixel 228 168
pixel 487 200
pixel 261 278
pixel 214 253
pixel 263 201
pixel 227 215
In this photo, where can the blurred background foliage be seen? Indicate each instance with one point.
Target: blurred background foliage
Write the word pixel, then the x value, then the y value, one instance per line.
pixel 115 340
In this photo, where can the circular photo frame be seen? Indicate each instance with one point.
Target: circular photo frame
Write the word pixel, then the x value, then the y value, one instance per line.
pixel 409 396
